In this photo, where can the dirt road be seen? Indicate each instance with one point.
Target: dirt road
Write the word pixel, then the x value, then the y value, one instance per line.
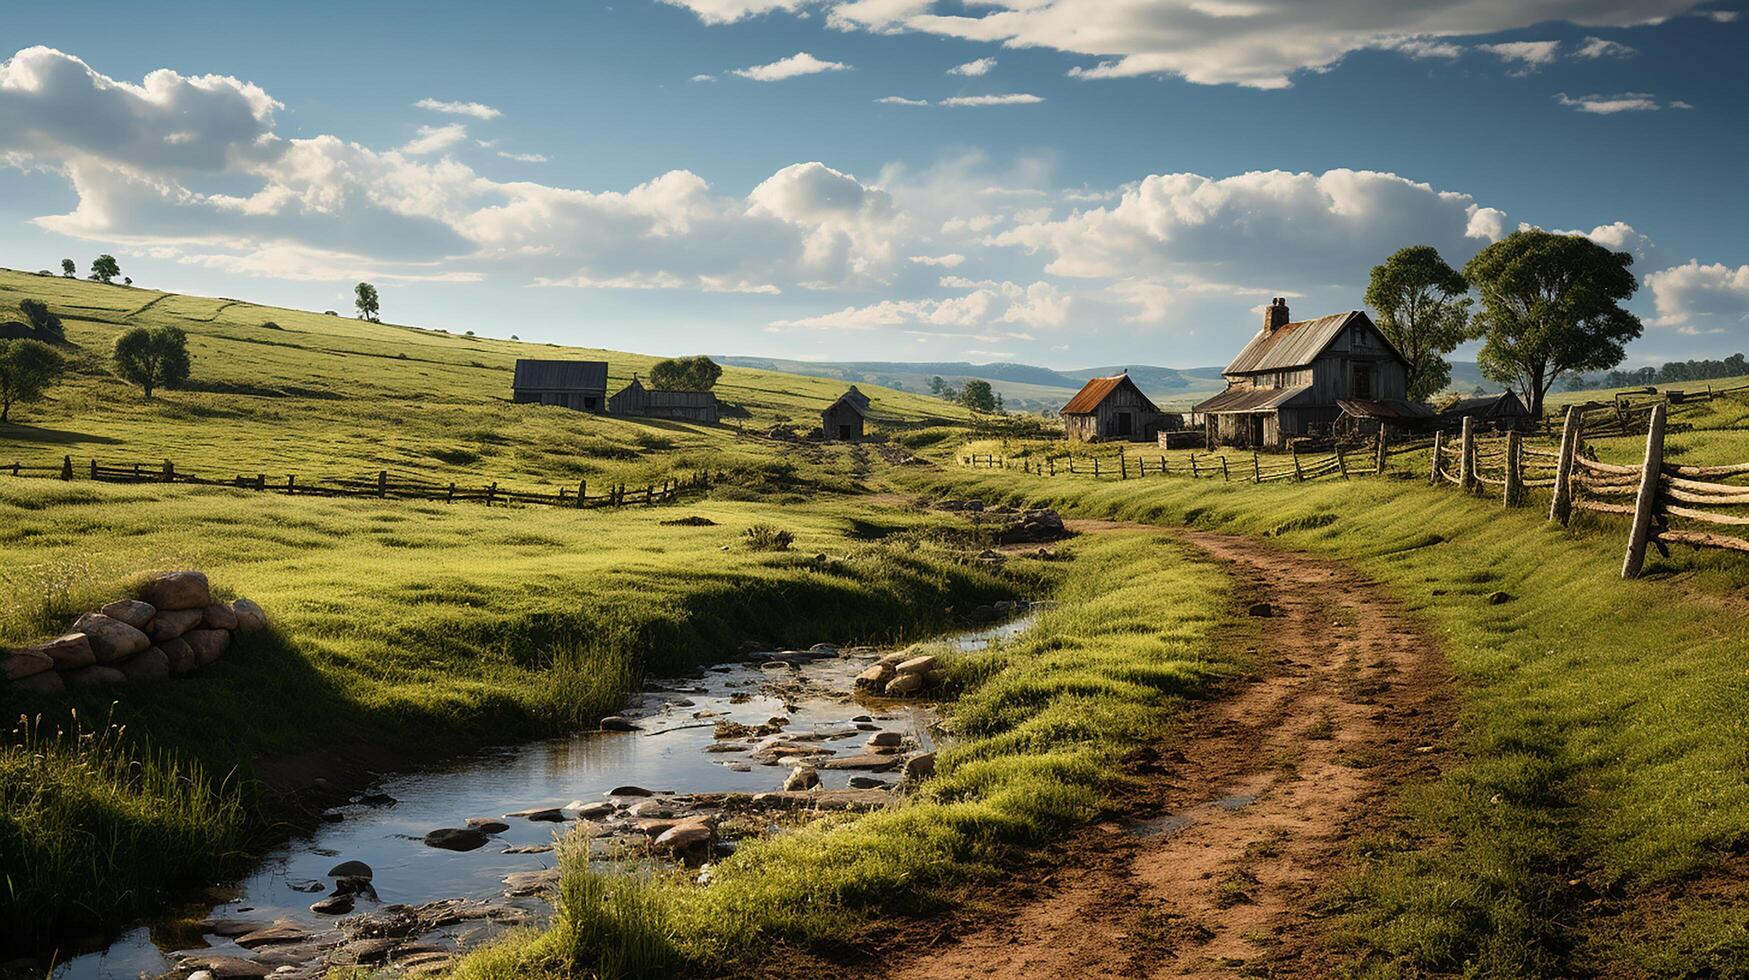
pixel 1215 867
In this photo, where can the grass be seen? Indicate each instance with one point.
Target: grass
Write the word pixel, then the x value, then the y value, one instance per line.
pixel 1037 737
pixel 1605 759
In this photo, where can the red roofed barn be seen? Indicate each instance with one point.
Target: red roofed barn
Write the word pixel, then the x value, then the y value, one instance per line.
pixel 1111 408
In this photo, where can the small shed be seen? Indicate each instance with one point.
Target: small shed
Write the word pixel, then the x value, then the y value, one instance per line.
pixel 843 419
pixel 572 384
pixel 1361 417
pixel 1500 412
pixel 659 403
pixel 1111 408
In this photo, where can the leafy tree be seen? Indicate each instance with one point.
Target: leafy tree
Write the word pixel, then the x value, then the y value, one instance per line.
pixel 977 395
pixel 46 324
pixel 698 373
pixel 152 357
pixel 936 384
pixel 1422 311
pixel 998 403
pixel 27 369
pixel 368 303
pixel 1550 304
pixel 104 268
pixel 68 269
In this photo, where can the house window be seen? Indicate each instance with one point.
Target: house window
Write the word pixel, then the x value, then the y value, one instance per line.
pixel 1362 381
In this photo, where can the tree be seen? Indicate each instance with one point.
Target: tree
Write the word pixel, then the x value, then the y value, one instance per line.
pixel 1550 304
pixel 104 268
pixel 46 325
pixel 152 357
pixel 1422 311
pixel 68 269
pixel 977 395
pixel 936 384
pixel 365 298
pixel 698 373
pixel 27 369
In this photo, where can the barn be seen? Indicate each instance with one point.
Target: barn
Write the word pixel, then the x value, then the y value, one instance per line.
pixel 1111 408
pixel 656 403
pixel 1500 412
pixel 571 384
pixel 843 419
pixel 1291 378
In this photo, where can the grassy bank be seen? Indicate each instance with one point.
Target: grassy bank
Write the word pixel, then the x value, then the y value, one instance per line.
pixel 1605 787
pixel 1038 734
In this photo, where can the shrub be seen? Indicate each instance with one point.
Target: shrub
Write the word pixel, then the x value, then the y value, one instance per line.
pixel 27 368
pixel 44 324
pixel 270 325
pixel 764 537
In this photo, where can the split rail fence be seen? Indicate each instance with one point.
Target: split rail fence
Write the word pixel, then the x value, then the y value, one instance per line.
pixel 382 485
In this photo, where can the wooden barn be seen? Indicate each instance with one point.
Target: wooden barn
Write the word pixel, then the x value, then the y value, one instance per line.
pixel 1111 408
pixel 1290 379
pixel 1498 412
pixel 843 419
pixel 571 384
pixel 655 403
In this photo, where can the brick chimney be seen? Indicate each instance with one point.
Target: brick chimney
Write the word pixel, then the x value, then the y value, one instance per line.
pixel 1275 315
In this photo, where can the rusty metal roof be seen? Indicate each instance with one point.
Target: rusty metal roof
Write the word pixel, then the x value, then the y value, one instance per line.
pixel 1097 390
pixel 1505 404
pixel 544 375
pixel 1243 399
pixel 1295 345
pixel 1385 408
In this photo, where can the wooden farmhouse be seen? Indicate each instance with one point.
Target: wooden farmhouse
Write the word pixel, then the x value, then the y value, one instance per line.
pixel 843 419
pixel 655 403
pixel 1291 378
pixel 1111 408
pixel 571 384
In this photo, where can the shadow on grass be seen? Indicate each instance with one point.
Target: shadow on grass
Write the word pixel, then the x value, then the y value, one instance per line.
pixel 52 437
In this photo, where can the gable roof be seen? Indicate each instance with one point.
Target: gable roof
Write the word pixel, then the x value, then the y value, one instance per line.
pixel 542 374
pixel 1298 344
pixel 1242 398
pixel 854 400
pixel 1097 390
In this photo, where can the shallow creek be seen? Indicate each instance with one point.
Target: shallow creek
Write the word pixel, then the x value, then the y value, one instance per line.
pixel 464 895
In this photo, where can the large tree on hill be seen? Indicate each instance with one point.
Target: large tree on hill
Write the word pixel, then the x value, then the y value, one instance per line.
pixel 1423 312
pixel 105 268
pixel 368 303
pixel 976 394
pixel 68 269
pixel 698 373
pixel 27 369
pixel 1550 304
pixel 46 324
pixel 153 357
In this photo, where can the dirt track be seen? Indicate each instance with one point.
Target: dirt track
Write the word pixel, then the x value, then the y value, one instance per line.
pixel 1214 869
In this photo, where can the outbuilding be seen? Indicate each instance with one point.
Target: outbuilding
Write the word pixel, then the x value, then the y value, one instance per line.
pixel 1499 412
pixel 658 403
pixel 572 384
pixel 843 419
pixel 1111 408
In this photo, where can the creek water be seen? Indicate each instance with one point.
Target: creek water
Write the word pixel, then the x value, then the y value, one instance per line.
pixel 668 755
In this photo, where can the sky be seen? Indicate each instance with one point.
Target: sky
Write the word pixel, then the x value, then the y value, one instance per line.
pixel 1060 182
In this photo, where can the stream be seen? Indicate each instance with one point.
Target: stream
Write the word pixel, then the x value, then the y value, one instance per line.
pixel 432 902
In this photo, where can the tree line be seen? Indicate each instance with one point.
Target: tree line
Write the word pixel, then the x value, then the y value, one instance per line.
pixel 31 364
pixel 1677 371
pixel 975 394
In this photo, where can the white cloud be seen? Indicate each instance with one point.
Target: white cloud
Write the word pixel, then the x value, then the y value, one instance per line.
pixel 798 64
pixel 729 11
pixel 1420 47
pixel 1695 298
pixel 474 109
pixel 702 78
pixel 1606 105
pixel 1596 47
pixel 1013 98
pixel 1528 56
pixel 952 260
pixel 431 139
pixel 974 69
pixel 900 100
pixel 1038 304
pixel 523 157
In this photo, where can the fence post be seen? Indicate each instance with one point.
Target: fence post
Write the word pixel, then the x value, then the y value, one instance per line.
pixel 1467 456
pixel 451 498
pixel 1341 462
pixel 136 472
pixel 1052 463
pixel 382 483
pixel 1096 467
pixel 291 484
pixel 491 491
pixel 1194 472
pixel 1123 465
pixel 1645 505
pixel 1225 476
pixel 169 472
pixel 94 467
pixel 582 488
pixel 1514 493
pixel 1438 469
pixel 66 467
pixel 1561 507
pixel 261 481
pixel 1256 468
pixel 1298 475
pixel 1384 453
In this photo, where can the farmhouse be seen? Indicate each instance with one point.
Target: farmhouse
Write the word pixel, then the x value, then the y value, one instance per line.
pixel 843 419
pixel 1111 408
pixel 656 403
pixel 571 384
pixel 1289 380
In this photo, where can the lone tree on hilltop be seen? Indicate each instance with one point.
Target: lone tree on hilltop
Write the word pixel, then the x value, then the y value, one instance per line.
pixel 1423 312
pixel 976 394
pixel 1551 304
pixel 46 325
pixel 152 357
pixel 27 369
pixel 698 373
pixel 105 268
pixel 365 298
pixel 68 269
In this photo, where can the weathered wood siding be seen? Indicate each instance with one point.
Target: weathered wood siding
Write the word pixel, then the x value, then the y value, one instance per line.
pixel 1105 421
pixel 834 420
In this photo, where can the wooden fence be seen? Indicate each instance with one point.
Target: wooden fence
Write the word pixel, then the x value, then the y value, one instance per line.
pixel 1341 462
pixel 382 485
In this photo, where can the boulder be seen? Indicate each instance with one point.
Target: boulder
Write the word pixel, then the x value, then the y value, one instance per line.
pixel 208 645
pixel 70 652
pixel 884 739
pixel 802 777
pixel 549 815
pixel 619 723
pixel 917 665
pixel 351 869
pixel 904 684
pixel 591 811
pixel 182 656
pixel 177 590
pixel 130 611
pixel 152 665
pixel 96 675
pixel 219 617
pixel 684 836
pixel 920 766
pixel 521 884
pixel 230 967
pixel 46 683
pixel 333 905
pixel 874 676
pixel 486 825
pixel 868 782
pixel 250 617
pixel 172 623
pixel 110 639
pixel 455 839
pixel 629 791
pixel 19 664
pixel 871 762
pixel 278 934
pixel 1260 609
pixel 651 808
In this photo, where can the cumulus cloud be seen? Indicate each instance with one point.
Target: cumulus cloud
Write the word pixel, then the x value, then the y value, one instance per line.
pixel 1695 298
pixel 523 157
pixel 702 78
pixel 474 109
pixel 1011 98
pixel 1528 56
pixel 974 69
pixel 1593 48
pixel 1420 47
pixel 431 139
pixel 796 65
pixel 1608 105
pixel 900 100
pixel 987 304
pixel 951 260
pixel 729 11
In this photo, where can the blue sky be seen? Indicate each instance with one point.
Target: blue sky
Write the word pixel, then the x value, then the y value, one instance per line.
pixel 1151 172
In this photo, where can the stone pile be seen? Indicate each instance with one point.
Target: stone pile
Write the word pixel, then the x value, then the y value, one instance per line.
pixel 1034 527
pixel 901 674
pixel 173 628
